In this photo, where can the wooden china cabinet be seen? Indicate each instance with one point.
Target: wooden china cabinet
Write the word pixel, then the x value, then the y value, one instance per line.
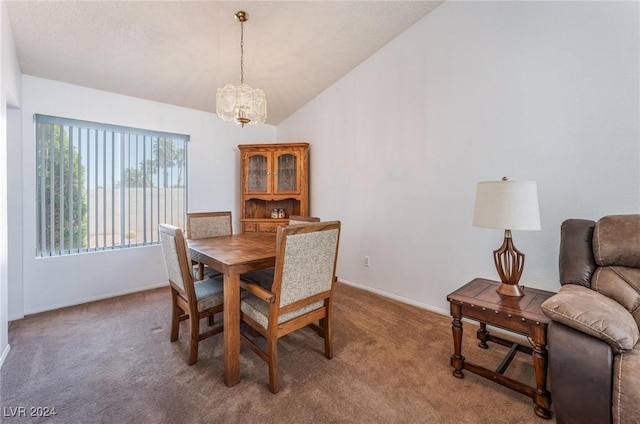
pixel 274 176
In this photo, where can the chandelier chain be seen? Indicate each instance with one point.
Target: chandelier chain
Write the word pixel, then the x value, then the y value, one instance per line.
pixel 241 52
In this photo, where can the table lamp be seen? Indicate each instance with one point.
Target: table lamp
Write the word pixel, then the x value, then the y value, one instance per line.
pixel 507 205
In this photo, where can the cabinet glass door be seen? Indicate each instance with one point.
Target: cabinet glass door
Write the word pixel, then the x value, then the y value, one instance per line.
pixel 287 173
pixel 258 173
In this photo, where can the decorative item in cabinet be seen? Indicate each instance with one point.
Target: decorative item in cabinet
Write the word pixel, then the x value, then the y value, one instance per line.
pixel 274 177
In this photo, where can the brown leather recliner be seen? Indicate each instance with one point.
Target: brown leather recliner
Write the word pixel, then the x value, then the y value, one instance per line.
pixel 594 354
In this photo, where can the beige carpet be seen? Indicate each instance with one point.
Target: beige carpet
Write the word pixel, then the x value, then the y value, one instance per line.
pixel 111 362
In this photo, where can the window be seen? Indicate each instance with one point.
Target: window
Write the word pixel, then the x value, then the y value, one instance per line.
pixel 102 187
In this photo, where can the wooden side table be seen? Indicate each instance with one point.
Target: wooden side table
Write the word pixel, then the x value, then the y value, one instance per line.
pixel 479 301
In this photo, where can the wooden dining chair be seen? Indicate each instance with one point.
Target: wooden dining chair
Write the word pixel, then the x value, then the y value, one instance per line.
pixel 204 225
pixel 302 290
pixel 192 300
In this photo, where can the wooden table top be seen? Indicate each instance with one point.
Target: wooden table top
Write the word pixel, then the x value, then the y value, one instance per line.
pixel 482 293
pixel 235 249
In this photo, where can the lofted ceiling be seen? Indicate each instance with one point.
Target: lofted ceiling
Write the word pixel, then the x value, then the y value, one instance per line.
pixel 180 52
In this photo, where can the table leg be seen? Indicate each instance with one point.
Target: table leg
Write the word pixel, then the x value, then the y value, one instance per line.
pixel 457 359
pixel 231 328
pixel 541 397
pixel 483 335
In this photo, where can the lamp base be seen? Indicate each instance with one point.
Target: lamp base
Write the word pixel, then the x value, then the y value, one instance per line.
pixel 509 263
pixel 510 290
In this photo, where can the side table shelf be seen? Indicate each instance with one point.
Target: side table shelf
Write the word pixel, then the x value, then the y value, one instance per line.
pixel 479 301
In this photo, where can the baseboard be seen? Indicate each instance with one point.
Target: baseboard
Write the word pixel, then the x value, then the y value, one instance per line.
pixel 5 354
pixel 15 317
pixel 398 298
pixel 92 299
pixel 504 333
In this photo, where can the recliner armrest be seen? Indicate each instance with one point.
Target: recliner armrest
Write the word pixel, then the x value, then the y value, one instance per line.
pixel 594 314
pixel 580 376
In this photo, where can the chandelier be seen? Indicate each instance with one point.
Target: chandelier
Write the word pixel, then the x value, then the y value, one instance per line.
pixel 241 103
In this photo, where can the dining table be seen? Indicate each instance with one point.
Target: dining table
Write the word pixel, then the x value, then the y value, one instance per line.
pixel 234 255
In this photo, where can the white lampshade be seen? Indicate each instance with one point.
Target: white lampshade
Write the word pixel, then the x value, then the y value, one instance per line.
pixel 507 205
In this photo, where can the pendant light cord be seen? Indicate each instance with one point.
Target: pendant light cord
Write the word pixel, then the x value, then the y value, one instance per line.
pixel 241 52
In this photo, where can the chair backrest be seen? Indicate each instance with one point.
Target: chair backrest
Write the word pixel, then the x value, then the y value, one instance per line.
pixel 305 261
pixel 208 224
pixel 298 219
pixel 177 258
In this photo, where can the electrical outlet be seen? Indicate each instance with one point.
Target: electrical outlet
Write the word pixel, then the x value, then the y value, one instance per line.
pixel 367 261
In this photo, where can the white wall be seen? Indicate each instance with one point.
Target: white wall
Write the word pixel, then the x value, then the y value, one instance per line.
pixel 545 91
pixel 213 185
pixel 10 98
pixel 476 90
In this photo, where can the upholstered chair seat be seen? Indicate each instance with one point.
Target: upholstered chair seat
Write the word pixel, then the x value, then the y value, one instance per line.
pixel 209 293
pixel 258 310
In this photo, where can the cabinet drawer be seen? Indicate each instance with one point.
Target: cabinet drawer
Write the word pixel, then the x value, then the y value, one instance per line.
pixel 268 227
pixel 249 227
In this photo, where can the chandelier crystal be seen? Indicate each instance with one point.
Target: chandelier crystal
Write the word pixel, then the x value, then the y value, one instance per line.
pixel 241 103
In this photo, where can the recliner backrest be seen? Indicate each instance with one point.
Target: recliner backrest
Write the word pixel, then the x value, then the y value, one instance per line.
pixel 616 241
pixel 604 256
pixel 616 249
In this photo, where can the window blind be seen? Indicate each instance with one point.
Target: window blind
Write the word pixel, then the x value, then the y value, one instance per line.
pixel 102 186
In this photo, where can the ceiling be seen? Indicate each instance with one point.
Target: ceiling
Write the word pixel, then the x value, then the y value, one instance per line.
pixel 180 52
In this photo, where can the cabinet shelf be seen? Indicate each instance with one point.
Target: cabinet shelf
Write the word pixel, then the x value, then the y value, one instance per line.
pixel 261 209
